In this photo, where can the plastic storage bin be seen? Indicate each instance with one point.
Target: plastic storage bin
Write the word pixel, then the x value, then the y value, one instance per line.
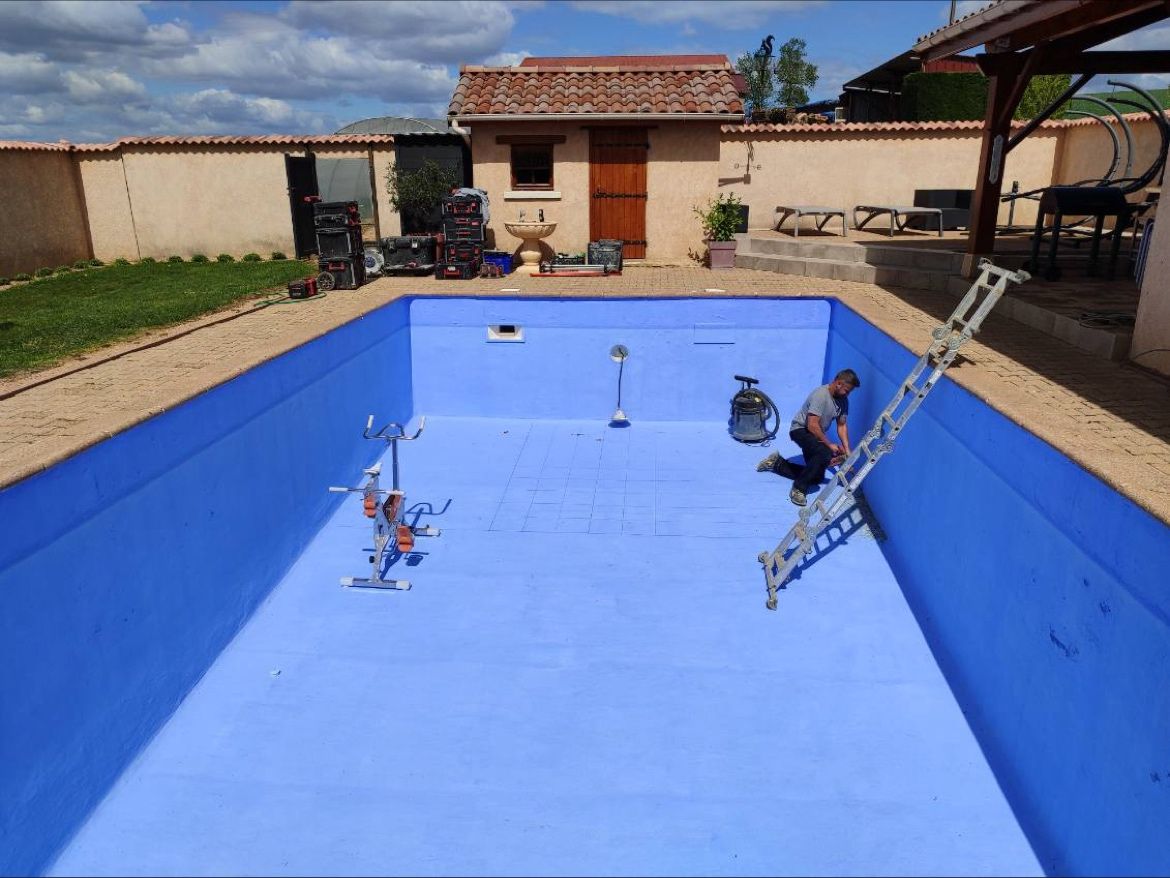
pixel 500 259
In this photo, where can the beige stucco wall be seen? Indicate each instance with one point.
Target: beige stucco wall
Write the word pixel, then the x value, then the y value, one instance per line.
pixel 211 199
pixel 681 172
pixel 111 223
pixel 846 168
pixel 1088 150
pixel 42 211
pixel 189 200
pixel 1152 329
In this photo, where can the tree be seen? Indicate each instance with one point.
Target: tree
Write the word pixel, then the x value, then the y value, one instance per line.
pixel 1042 91
pixel 794 74
pixel 755 69
pixel 759 83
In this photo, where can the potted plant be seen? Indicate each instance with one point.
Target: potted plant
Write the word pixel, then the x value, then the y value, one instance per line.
pixel 417 195
pixel 721 219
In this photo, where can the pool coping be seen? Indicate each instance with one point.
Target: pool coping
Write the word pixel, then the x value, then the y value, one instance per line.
pixel 1111 419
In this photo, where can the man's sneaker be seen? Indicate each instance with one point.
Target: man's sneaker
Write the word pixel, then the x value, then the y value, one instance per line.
pixel 797 497
pixel 768 464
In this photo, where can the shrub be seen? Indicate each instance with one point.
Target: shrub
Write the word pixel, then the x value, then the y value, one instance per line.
pixel 23 276
pixel 943 97
pixel 417 194
pixel 4 281
pixel 174 259
pixel 277 256
pixel 62 269
pixel 720 217
pixel 81 264
pixel 147 260
pixel 225 257
pixel 96 263
pixel 121 261
pixel 250 257
pixel 43 272
pixel 200 258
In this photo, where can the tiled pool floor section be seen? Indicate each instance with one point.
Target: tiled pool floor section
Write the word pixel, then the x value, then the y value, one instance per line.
pixel 583 680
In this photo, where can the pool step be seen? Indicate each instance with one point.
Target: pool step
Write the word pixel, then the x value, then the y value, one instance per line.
pixel 835 269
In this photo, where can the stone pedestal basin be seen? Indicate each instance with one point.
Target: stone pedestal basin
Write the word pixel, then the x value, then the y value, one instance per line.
pixel 530 233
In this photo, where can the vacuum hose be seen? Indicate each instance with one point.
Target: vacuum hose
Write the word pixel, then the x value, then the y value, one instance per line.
pixel 751 412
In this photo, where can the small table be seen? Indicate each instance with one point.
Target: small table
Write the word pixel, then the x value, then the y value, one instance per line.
pixel 898 215
pixel 798 210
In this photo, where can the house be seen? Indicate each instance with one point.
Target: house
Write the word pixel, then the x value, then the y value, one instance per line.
pixel 610 147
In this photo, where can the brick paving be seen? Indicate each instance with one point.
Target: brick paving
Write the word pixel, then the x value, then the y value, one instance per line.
pixel 1113 419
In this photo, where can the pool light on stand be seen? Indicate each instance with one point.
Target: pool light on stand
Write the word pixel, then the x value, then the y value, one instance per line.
pixel 618 354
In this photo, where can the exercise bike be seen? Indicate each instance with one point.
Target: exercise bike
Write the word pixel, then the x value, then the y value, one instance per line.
pixel 393 537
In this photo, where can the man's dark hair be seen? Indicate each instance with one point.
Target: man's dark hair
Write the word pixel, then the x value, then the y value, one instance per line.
pixel 850 376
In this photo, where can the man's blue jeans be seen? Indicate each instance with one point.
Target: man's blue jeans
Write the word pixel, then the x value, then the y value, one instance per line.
pixel 816 459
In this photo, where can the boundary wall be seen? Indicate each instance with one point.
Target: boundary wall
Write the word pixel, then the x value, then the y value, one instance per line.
pixel 158 197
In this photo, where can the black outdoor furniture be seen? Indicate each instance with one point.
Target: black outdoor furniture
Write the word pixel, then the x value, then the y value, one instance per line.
pixel 955 205
pixel 1086 203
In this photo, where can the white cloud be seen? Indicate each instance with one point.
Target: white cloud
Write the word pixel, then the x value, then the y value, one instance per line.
pixel 435 32
pixel 74 30
pixel 27 73
pixel 272 64
pixel 506 59
pixel 93 85
pixel 724 15
pixel 1154 36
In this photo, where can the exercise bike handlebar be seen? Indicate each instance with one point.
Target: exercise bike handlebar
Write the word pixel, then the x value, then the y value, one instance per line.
pixel 391 437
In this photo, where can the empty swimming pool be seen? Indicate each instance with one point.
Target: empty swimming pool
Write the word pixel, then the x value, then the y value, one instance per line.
pixel 583 678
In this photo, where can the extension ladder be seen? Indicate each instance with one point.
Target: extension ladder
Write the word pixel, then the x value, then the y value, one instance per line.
pixel 838 494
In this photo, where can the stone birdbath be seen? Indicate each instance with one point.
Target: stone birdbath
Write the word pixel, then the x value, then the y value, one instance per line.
pixel 530 233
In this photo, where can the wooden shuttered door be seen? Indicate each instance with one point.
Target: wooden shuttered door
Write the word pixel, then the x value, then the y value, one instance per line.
pixel 617 186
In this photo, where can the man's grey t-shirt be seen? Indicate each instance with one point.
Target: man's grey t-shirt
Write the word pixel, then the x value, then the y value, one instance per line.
pixel 822 404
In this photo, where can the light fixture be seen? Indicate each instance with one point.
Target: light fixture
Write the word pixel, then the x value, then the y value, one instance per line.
pixel 618 354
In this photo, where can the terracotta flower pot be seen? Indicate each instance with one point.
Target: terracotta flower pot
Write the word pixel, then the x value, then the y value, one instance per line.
pixel 722 254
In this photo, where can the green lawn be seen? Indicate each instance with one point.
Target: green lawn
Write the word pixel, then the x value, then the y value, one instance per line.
pixel 47 320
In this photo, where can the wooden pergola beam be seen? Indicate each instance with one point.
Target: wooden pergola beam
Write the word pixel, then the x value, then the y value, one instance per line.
pixel 1060 61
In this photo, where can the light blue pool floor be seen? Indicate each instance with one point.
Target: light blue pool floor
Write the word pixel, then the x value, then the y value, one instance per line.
pixel 583 680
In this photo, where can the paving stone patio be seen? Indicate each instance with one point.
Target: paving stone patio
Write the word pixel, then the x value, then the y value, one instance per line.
pixel 1111 418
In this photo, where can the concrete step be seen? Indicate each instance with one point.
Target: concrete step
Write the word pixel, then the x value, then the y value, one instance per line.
pixel 1110 344
pixel 831 269
pixel 878 254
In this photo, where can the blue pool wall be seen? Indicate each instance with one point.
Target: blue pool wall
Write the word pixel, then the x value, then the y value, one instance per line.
pixel 125 569
pixel 1046 599
pixel 683 354
pixel 1040 589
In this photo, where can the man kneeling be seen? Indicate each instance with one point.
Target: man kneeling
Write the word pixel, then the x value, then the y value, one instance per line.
pixel 827 404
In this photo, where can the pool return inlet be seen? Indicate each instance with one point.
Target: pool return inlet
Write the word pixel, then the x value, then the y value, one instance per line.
pixel 387 515
pixel 963 323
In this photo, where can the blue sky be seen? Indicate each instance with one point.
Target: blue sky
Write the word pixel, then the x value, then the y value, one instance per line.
pixel 96 70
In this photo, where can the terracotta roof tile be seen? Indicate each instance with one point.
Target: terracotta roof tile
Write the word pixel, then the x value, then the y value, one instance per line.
pixel 32 146
pixel 191 140
pixel 859 127
pixel 623 61
pixel 630 84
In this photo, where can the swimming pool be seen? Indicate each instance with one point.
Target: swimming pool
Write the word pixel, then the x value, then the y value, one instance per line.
pixel 583 678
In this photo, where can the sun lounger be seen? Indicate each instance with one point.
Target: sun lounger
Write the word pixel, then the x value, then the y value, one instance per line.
pixel 898 215
pixel 798 210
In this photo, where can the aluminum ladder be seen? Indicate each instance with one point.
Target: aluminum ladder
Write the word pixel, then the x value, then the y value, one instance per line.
pixel 948 338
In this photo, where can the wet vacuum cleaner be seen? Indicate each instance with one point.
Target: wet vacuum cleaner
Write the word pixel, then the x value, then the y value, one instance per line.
pixel 551 269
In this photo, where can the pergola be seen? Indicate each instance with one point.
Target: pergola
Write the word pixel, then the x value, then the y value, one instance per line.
pixel 1024 38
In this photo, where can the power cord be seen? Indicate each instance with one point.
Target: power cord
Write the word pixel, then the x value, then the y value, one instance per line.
pixel 1106 319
